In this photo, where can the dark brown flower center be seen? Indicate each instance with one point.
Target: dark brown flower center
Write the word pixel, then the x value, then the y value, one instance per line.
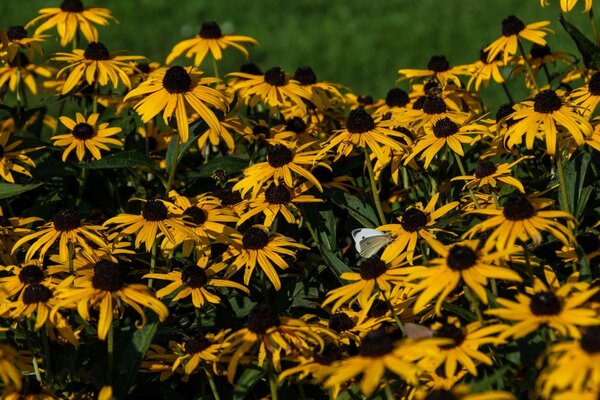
pixel 589 242
pixel 229 197
pixel 277 194
pixel 279 155
pixel 261 130
pixel 75 6
pixel 444 127
pixel 449 331
pixel 413 219
pixel 108 276
pixel 20 60
pixel 83 131
pixel 512 26
pixel 305 75
pixel 440 394
pixel 255 239
pixel 396 97
pixel 261 318
pixel 96 51
pixel 419 103
pixel 376 344
pixel 540 51
pixel 66 220
pixel 434 105
pixel 36 293
pixel 154 210
pixel 210 30
pixel 438 63
pixel 329 354
pixel 372 268
pixel 546 102
pixel 341 322
pixel 275 77
pixel 594 84
pixel 366 100
pixel 196 344
pixel 590 341
pixel 194 276
pixel 359 121
pixel 378 309
pixel 518 207
pixel 16 32
pixel 143 67
pixel 461 257
pixel 177 80
pixel 296 125
pixel 323 174
pixel 503 112
pixel 196 215
pixel 251 68
pixel 31 274
pixel 31 387
pixel 485 168
pixel 545 303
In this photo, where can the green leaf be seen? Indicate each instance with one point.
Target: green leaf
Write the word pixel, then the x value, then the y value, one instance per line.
pixel 122 159
pixel 359 209
pixel 575 171
pixel 232 165
pixel 589 51
pixel 246 382
pixel 12 189
pixel 338 266
pixel 322 220
pixel 127 362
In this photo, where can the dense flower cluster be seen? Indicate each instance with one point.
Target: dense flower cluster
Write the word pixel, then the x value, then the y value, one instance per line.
pixel 165 229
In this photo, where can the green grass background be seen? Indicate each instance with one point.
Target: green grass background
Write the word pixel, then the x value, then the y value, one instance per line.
pixel 359 43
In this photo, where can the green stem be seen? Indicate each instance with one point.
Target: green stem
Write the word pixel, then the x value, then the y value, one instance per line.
pixel 216 68
pixel 82 181
pixel 47 359
pixel 563 183
pixel 374 191
pixel 28 334
pixel 474 303
pixel 213 386
pixel 174 163
pixel 388 392
pixel 594 27
pixel 507 92
pixel 152 262
pixel 199 320
pixel 272 379
pixel 110 347
pixel 393 311
pixel 464 172
pixel 528 66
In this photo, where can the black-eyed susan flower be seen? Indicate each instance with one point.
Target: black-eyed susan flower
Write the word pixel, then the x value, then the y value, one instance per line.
pixel 524 219
pixel 194 281
pixel 442 133
pixel 9 373
pixel 588 96
pixel 438 68
pixel 33 272
pixel 275 88
pixel 14 159
pixel 11 230
pixel 459 262
pixel 284 163
pixel 416 222
pixel 323 94
pixel 573 365
pixel 231 199
pixel 276 200
pixel 209 39
pixel 171 90
pixel 271 335
pixel 541 117
pixel 561 308
pixel 107 291
pixel 20 69
pixel 259 247
pixel 230 127
pixel 86 135
pixel 70 17
pixel 588 241
pixel 484 71
pixel 427 110
pixel 374 275
pixel 395 98
pixel 156 222
pixel 95 65
pixel 18 39
pixel 363 131
pixel 513 29
pixel 330 180
pixel 568 5
pixel 491 175
pixel 69 229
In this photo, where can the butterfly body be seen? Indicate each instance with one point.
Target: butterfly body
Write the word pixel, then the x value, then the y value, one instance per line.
pixel 369 241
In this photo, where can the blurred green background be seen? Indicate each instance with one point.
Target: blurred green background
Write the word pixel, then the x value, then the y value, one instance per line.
pixel 359 43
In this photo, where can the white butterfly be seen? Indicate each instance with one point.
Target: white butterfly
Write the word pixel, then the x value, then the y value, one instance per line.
pixel 416 331
pixel 369 241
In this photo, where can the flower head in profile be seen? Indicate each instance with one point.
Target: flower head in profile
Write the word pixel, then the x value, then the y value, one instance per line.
pixel 70 17
pixel 18 39
pixel 438 68
pixel 14 159
pixel 209 39
pixel 488 174
pixel 21 69
pixel 512 30
pixel 568 5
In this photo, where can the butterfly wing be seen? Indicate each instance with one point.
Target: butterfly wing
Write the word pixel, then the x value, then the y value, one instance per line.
pixel 416 331
pixel 369 246
pixel 360 234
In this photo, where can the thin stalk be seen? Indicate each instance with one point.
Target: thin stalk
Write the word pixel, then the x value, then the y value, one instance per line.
pixel 396 318
pixel 47 359
pixel 594 26
pixel 507 92
pixel 82 181
pixel 211 382
pixel 152 262
pixel 95 94
pixel 528 66
pixel 464 172
pixel 272 379
pixel 110 347
pixel 563 183
pixel 388 392
pixel 216 68
pixel 548 77
pixel 36 367
pixel 474 303
pixel 374 191
pixel 173 166
pixel 199 320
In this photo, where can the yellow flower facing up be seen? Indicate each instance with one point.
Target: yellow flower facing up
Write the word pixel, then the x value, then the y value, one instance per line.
pixel 513 29
pixel 541 117
pixel 460 262
pixel 194 281
pixel 491 175
pixel 70 17
pixel 439 69
pixel 13 159
pixel 107 291
pixel 171 90
pixel 85 135
pixel 209 39
pixel 568 5
pixel 95 65
pixel 259 247
pixel 561 308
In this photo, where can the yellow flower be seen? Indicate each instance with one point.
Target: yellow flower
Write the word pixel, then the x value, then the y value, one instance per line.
pixel 483 71
pixel 210 39
pixel 11 158
pixel 439 69
pixel 17 39
pixel 69 17
pixel 21 68
pixel 490 174
pixel 587 96
pixel 512 29
pixel 9 374
pixel 568 5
